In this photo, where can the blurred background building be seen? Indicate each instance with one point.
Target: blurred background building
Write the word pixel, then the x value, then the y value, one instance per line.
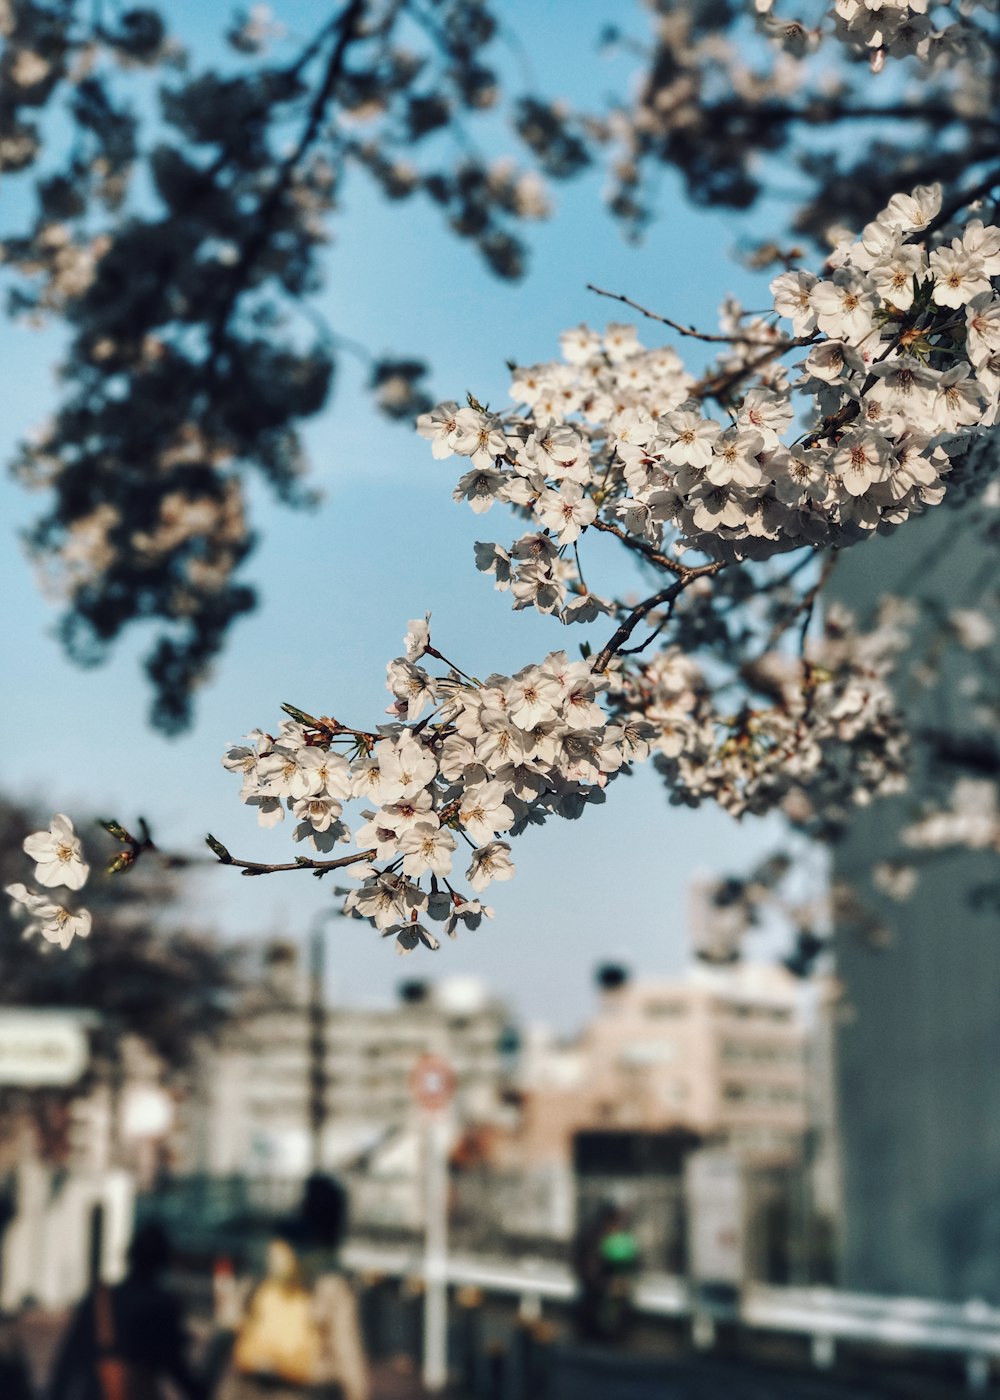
pixel 250 1107
pixel 541 1130
pixel 720 1052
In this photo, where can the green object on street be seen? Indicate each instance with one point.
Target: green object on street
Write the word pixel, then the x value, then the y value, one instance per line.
pixel 619 1248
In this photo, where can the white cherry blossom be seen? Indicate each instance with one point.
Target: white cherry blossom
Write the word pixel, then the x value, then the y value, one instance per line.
pixel 58 855
pixel 490 862
pixel 52 921
pixel 426 846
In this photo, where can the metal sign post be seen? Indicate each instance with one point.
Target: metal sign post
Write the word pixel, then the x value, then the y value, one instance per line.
pixel 433 1086
pixel 435 1372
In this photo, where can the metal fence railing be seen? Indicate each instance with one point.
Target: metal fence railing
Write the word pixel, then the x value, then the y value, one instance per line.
pixel 826 1317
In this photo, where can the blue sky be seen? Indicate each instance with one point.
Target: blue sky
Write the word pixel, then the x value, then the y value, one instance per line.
pixel 338 585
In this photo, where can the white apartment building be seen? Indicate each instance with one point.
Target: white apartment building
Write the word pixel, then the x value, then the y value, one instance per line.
pixel 249 1110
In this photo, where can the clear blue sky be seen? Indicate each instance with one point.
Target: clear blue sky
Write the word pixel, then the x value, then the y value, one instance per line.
pixel 340 583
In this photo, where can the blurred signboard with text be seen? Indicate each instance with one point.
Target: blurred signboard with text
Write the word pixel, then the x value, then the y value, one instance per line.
pixel 42 1048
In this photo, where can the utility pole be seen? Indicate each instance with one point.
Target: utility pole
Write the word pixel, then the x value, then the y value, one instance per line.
pixel 317 1012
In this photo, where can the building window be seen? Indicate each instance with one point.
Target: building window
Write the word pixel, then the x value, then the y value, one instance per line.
pixel 665 1010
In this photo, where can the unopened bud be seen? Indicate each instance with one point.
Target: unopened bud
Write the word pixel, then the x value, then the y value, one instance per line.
pixel 115 829
pixel 301 717
pixel 218 849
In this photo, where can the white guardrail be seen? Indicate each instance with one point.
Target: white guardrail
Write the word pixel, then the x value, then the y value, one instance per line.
pixel 825 1315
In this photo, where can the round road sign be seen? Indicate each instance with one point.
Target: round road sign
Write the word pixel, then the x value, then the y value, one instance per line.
pixel 432 1082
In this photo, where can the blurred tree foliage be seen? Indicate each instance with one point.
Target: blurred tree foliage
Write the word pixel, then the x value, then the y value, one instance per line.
pixel 147 974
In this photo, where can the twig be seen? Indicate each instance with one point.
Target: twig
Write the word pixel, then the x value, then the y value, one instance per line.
pixel 973 752
pixel 948 211
pixel 808 603
pixel 579 566
pixel 820 113
pixel 683 330
pixel 652 636
pixel 332 727
pixel 787 577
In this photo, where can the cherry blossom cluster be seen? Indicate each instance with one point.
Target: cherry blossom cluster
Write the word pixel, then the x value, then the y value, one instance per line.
pixel 970 819
pixel 959 802
pixel 59 864
pixel 461 761
pixel 901 374
pixel 900 378
pixel 923 29
pixel 813 735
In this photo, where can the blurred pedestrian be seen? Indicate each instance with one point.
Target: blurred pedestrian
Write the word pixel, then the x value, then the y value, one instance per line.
pixel 298 1336
pixel 123 1341
pixel 605 1261
pixel 15 1374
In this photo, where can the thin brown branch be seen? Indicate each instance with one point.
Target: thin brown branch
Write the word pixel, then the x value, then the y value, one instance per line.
pixel 668 595
pixel 806 603
pixel 718 386
pixel 639 547
pixel 256 867
pixel 333 728
pixel 821 113
pixel 974 752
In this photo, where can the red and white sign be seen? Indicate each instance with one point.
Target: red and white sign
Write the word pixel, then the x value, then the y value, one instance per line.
pixel 432 1083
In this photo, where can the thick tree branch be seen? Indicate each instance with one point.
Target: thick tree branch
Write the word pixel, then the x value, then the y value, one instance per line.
pixel 347 25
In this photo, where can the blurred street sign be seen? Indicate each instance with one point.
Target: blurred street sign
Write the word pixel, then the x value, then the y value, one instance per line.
pixel 147 1111
pixel 716 1199
pixel 432 1083
pixel 42 1048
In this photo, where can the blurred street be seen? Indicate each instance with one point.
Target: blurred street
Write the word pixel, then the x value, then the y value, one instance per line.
pixel 574 1372
pixel 481 1215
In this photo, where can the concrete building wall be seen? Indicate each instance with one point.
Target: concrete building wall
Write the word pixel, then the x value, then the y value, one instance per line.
pixel 918 1031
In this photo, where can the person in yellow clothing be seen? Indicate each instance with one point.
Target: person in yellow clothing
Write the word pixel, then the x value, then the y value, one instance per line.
pixel 296 1333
